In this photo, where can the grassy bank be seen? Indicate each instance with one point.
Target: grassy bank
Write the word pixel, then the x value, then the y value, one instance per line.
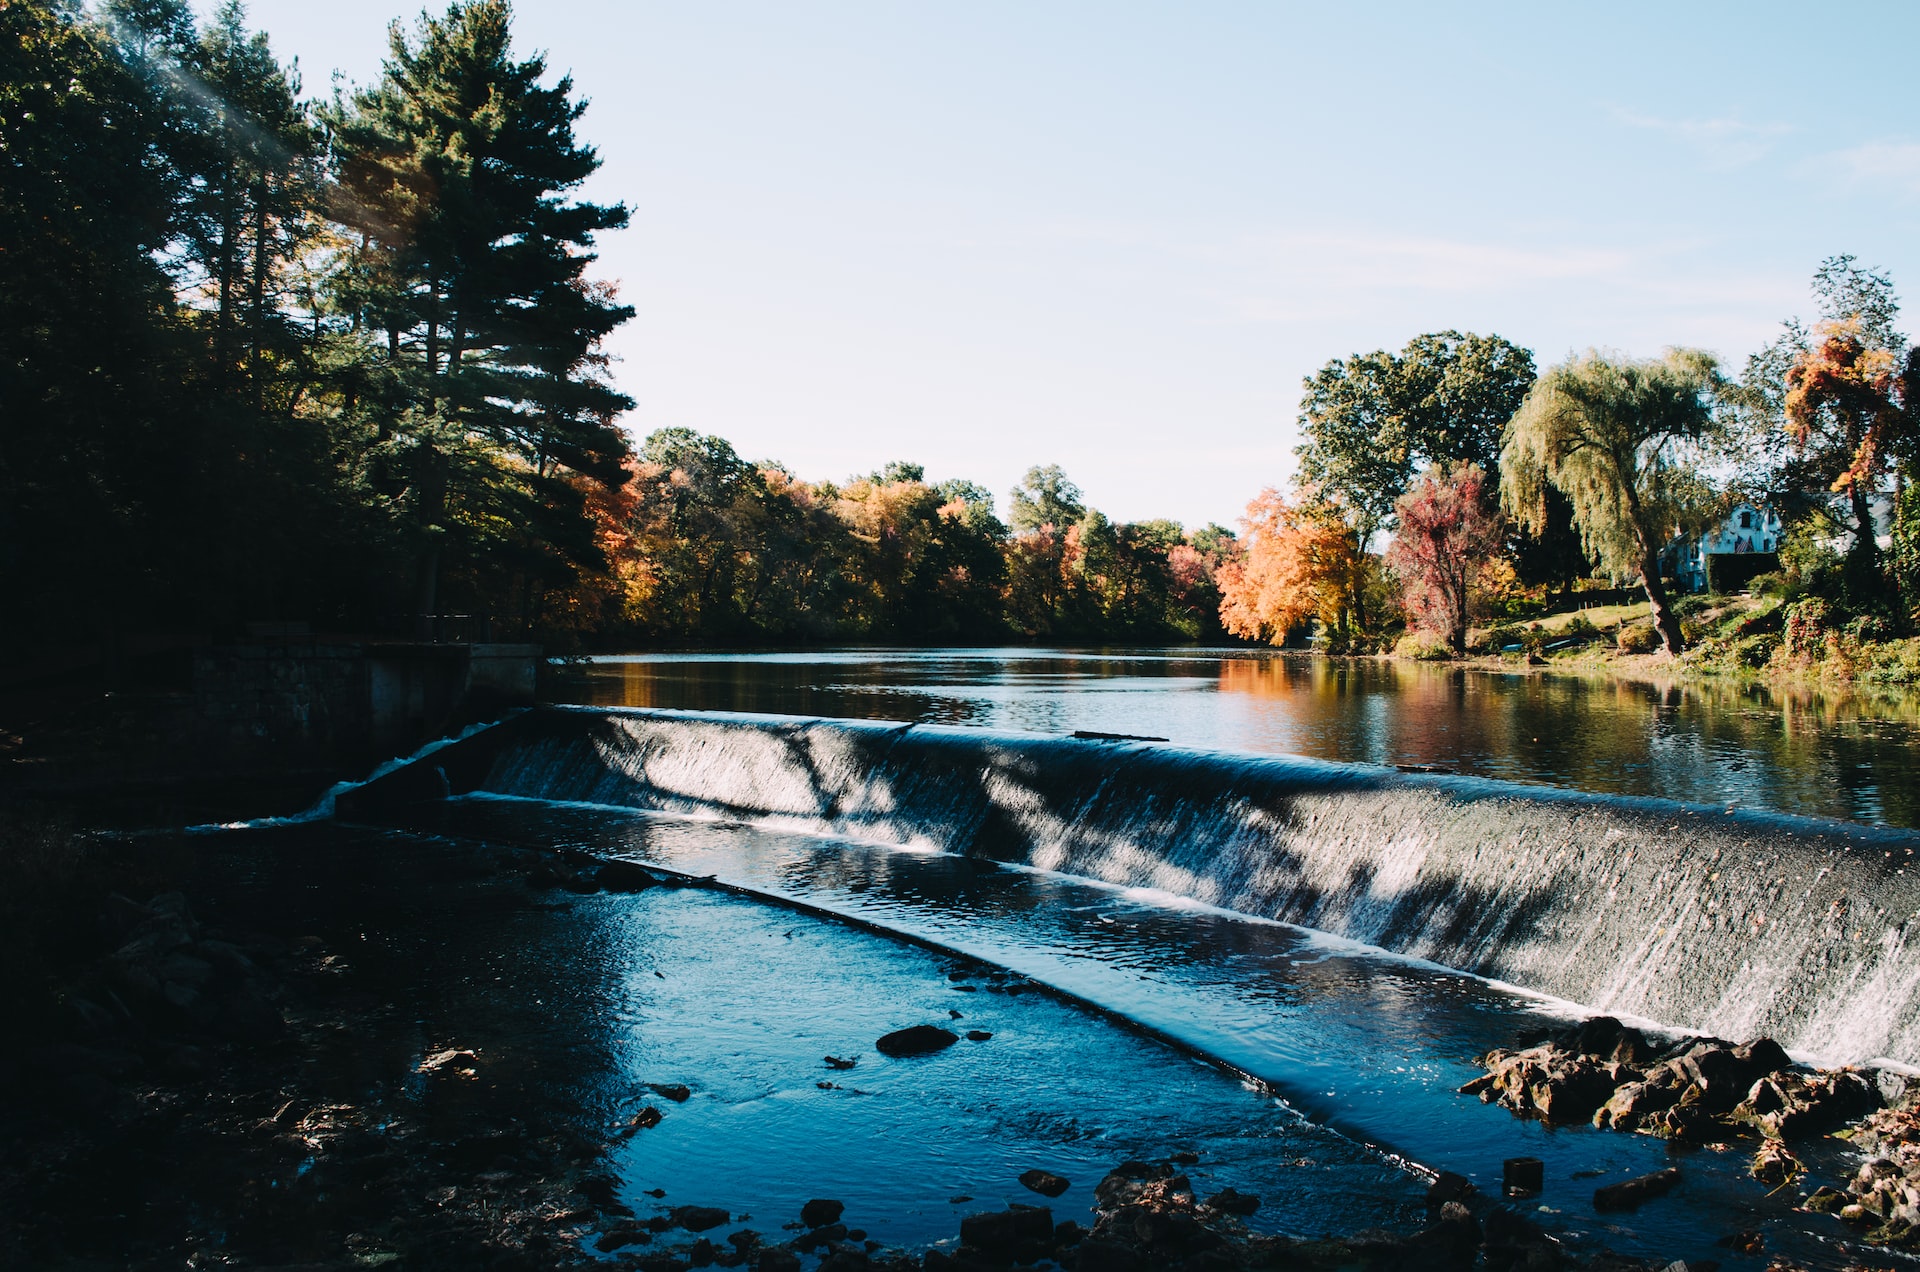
pixel 1759 637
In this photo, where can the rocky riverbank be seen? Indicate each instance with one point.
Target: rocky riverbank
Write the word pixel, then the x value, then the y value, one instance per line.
pixel 1707 1091
pixel 222 1077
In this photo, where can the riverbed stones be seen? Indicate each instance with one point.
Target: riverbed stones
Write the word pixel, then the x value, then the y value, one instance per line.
pixel 915 1040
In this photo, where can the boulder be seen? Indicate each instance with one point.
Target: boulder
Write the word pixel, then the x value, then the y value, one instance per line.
pixel 916 1040
pixel 624 876
pixel 1044 1182
pixel 698 1218
pixel 1230 1201
pixel 1019 1232
pixel 1632 1192
pixel 820 1212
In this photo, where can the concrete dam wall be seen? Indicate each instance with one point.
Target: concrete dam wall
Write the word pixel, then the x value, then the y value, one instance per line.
pixel 1736 924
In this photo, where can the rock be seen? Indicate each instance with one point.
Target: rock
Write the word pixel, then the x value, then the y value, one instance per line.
pixel 820 1212
pixel 1774 1164
pixel 1825 1200
pixel 811 1240
pixel 1068 1233
pixel 835 1062
pixel 1230 1201
pixel 1100 1255
pixel 1448 1186
pixel 1020 1232
pixel 916 1040
pixel 698 1218
pixel 1605 1038
pixel 1631 1105
pixel 777 1259
pixel 671 1091
pixel 1046 1183
pixel 1522 1176
pixel 978 1035
pixel 624 876
pixel 1573 1093
pixel 455 1062
pixel 646 1119
pixel 1632 1192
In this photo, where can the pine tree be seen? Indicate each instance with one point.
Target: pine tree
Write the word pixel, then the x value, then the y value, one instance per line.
pixel 455 172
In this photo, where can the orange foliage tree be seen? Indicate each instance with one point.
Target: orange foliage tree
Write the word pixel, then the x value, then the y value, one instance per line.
pixel 1299 563
pixel 1851 402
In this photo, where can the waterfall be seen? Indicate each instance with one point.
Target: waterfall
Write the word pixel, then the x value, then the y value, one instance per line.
pixel 1735 924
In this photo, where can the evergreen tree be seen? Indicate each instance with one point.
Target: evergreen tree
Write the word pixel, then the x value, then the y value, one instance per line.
pixel 455 174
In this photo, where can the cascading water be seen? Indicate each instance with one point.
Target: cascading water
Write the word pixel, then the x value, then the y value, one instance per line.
pixel 1729 923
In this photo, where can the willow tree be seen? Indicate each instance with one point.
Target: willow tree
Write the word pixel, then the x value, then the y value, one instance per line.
pixel 1618 437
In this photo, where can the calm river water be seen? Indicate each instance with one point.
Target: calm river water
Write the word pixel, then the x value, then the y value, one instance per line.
pixel 1826 753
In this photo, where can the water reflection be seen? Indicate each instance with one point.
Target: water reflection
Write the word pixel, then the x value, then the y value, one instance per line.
pixel 1823 751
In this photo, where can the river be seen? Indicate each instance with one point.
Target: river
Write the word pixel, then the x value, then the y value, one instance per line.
pixel 1834 752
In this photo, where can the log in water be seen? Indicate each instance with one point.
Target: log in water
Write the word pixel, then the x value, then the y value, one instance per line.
pixel 1737 924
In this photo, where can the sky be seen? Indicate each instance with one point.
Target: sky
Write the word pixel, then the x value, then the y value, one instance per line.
pixel 1115 236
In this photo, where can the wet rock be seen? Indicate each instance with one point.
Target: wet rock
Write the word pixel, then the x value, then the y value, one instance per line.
pixel 1102 1255
pixel 1605 1038
pixel 1448 1186
pixel 811 1240
pixel 1231 1201
pixel 820 1211
pixel 671 1091
pixel 624 876
pixel 1633 1192
pixel 1020 1232
pixel 978 1035
pixel 915 1040
pixel 698 1218
pixel 1046 1183
pixel 836 1062
pixel 646 1119
pixel 1775 1164
pixel 777 1259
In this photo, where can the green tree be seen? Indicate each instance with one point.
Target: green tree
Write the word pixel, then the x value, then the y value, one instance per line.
pixel 1045 497
pixel 455 175
pixel 1621 440
pixel 1373 420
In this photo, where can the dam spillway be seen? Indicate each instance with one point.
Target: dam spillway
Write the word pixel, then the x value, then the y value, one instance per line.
pixel 1730 923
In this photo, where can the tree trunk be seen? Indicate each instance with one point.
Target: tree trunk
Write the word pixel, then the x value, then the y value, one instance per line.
pixel 257 298
pixel 1863 558
pixel 1665 621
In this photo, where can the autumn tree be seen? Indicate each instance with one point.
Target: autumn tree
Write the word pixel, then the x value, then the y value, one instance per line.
pixel 1298 564
pixel 1620 438
pixel 1444 541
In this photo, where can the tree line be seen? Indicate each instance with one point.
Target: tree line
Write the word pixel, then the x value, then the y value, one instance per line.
pixel 1487 479
pixel 341 359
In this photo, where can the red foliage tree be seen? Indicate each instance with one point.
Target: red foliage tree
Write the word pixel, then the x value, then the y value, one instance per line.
pixel 1445 541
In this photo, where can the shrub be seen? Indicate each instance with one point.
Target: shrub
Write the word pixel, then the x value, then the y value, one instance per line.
pixel 1773 583
pixel 1424 646
pixel 1579 628
pixel 1805 629
pixel 1638 638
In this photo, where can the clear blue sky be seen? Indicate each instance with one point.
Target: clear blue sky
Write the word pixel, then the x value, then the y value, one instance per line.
pixel 1114 236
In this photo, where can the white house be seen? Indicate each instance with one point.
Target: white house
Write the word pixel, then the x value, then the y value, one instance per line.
pixel 1747 529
